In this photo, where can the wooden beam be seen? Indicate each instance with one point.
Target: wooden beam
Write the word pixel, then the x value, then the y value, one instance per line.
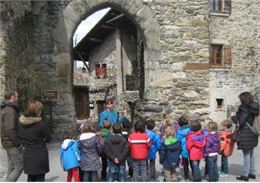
pixel 115 18
pixel 95 39
pixel 107 27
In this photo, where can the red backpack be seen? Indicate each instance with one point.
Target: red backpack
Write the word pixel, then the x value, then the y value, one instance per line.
pixel 226 143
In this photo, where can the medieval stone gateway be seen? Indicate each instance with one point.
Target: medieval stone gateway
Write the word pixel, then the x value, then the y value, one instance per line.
pixel 197 56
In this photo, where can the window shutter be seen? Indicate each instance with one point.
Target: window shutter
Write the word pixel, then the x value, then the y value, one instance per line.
pixel 210 5
pixel 227 56
pixel 227 6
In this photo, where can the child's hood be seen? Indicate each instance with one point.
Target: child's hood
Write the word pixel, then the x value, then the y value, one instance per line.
pixel 198 139
pixel 172 143
pixel 67 143
pixel 116 139
pixel 85 136
pixel 183 130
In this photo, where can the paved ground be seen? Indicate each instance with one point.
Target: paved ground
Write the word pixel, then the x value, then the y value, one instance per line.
pixel 57 174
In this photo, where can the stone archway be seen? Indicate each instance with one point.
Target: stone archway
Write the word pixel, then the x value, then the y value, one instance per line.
pixel 136 11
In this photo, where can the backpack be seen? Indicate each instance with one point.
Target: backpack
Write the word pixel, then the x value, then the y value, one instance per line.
pixel 256 126
pixel 226 143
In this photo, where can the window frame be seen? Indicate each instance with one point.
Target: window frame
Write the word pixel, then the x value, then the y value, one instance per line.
pixel 214 50
pixel 220 7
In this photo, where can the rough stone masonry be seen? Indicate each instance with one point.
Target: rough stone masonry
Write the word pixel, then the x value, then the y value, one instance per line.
pixel 177 35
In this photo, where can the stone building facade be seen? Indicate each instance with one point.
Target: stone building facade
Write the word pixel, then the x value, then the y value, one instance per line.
pixel 177 35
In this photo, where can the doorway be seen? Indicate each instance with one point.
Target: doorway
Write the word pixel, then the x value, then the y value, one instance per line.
pixel 81 102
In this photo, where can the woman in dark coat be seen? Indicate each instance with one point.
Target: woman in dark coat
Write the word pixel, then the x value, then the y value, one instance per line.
pixel 246 113
pixel 34 135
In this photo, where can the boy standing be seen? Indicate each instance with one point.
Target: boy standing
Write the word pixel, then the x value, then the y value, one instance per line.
pixel 139 144
pixel 116 150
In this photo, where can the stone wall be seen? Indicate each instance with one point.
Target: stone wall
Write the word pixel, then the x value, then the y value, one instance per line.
pixel 241 31
pixel 176 36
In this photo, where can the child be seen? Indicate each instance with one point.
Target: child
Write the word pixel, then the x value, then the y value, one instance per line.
pixel 167 121
pixel 195 146
pixel 226 146
pixel 70 157
pixel 105 134
pixel 181 136
pixel 156 144
pixel 126 131
pixel 205 131
pixel 211 151
pixel 139 144
pixel 116 150
pixel 90 146
pixel 169 154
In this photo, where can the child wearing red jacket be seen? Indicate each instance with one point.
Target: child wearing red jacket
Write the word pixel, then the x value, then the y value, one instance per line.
pixel 139 144
pixel 196 142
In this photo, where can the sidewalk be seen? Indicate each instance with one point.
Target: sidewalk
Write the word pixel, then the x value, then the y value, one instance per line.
pixel 57 174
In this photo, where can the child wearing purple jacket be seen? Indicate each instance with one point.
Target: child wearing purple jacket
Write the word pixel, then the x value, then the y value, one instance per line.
pixel 211 151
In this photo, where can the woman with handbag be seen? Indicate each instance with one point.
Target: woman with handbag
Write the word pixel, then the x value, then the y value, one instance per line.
pixel 246 113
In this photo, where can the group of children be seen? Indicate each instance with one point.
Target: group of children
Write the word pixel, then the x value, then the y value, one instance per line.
pixel 180 144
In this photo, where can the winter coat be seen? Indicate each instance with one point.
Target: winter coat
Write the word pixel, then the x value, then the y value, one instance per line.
pixel 212 144
pixel 90 147
pixel 69 154
pixel 170 152
pixel 181 136
pixel 10 130
pixel 246 113
pixel 111 116
pixel 139 144
pixel 196 142
pixel 156 144
pixel 117 147
pixel 35 134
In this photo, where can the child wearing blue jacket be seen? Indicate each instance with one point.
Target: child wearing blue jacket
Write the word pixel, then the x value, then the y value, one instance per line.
pixel 181 136
pixel 156 144
pixel 70 157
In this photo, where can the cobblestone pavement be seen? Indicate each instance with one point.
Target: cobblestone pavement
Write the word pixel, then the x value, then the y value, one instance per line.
pixel 57 174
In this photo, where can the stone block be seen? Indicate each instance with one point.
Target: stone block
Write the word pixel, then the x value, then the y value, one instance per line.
pixel 196 66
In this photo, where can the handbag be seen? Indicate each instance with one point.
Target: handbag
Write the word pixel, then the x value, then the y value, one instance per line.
pixel 235 134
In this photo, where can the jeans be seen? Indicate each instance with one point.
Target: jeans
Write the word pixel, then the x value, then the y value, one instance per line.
pixel 116 172
pixel 151 168
pixel 36 178
pixel 195 165
pixel 185 162
pixel 249 162
pixel 224 164
pixel 212 168
pixel 15 164
pixel 139 170
pixel 104 167
pixel 90 176
pixel 130 165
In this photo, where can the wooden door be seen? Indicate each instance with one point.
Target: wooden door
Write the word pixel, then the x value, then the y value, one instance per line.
pixel 81 103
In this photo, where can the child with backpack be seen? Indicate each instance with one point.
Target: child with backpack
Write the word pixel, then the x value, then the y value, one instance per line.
pixel 156 144
pixel 70 157
pixel 139 144
pixel 211 151
pixel 196 142
pixel 181 136
pixel 226 146
pixel 116 150
pixel 169 154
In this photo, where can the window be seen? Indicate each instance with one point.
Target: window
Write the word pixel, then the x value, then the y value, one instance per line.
pixel 220 6
pixel 220 56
